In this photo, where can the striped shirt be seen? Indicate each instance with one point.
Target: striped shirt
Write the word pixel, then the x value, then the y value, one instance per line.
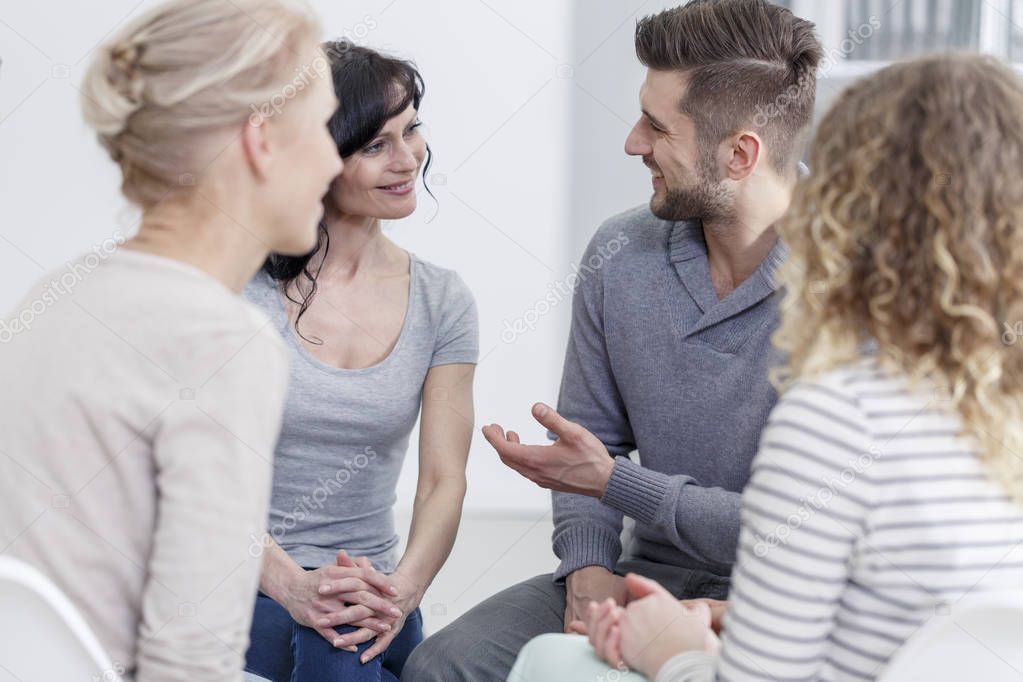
pixel 866 515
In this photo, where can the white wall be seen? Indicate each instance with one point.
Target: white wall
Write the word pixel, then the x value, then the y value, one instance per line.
pixel 527 109
pixel 506 119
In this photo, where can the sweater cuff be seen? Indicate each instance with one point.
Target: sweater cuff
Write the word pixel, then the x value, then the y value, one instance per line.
pixel 636 491
pixel 586 546
pixel 692 666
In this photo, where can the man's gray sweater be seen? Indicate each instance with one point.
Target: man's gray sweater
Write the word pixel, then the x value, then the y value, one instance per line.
pixel 657 363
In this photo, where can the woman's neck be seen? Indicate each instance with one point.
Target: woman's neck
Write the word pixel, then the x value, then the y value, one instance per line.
pixel 357 244
pixel 204 238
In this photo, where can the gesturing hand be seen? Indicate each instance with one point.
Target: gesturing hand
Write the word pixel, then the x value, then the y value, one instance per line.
pixel 577 463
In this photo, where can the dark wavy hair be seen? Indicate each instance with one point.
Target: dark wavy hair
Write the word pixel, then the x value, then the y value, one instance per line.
pixel 372 88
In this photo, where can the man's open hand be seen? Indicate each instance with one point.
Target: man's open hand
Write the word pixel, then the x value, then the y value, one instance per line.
pixel 577 463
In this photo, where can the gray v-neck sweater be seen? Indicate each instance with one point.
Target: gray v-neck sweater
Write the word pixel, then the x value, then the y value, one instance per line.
pixel 657 363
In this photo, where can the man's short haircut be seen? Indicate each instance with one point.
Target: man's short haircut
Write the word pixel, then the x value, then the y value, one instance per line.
pixel 750 64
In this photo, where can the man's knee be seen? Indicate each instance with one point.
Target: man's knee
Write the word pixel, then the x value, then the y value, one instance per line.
pixel 418 665
pixel 482 644
pixel 439 658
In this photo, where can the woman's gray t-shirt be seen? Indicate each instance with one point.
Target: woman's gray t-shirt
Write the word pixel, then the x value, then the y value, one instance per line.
pixel 346 431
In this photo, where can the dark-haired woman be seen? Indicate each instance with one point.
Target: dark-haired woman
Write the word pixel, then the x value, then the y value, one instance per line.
pixel 375 335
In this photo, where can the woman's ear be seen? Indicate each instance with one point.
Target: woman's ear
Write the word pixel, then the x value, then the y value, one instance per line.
pixel 255 142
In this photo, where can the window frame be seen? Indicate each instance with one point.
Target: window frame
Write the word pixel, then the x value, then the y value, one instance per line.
pixel 995 32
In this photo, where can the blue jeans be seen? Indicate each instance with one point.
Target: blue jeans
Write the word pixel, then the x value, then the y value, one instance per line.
pixel 284 651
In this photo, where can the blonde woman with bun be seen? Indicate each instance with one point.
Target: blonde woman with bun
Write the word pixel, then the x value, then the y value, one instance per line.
pixel 140 409
pixel 888 484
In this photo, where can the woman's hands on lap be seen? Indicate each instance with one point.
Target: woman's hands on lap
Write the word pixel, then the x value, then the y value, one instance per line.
pixel 372 614
pixel 653 628
pixel 407 600
pixel 603 627
pixel 348 593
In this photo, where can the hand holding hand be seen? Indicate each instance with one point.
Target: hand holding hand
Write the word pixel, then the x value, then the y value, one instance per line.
pixel 369 611
pixel 317 599
pixel 409 594
pixel 586 585
pixel 604 630
pixel 656 627
pixel 717 607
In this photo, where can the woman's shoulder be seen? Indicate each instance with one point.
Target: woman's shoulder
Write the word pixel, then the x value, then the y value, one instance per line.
pixel 850 382
pixel 260 288
pixel 441 287
pixel 828 403
pixel 851 405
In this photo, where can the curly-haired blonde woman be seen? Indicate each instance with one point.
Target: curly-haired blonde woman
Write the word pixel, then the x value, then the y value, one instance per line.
pixel 141 405
pixel 889 478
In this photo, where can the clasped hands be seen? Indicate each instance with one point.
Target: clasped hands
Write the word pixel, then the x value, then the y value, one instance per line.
pixel 651 628
pixel 353 592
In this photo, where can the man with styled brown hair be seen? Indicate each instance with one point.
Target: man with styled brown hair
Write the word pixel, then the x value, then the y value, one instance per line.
pixel 670 343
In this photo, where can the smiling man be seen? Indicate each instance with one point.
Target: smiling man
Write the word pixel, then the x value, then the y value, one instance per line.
pixel 670 344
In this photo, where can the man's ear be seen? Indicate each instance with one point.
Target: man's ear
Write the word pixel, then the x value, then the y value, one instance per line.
pixel 744 153
pixel 255 141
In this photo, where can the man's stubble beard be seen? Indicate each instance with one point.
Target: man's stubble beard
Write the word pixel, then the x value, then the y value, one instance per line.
pixel 706 200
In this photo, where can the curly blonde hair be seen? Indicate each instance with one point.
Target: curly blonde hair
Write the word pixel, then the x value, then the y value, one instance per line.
pixel 908 233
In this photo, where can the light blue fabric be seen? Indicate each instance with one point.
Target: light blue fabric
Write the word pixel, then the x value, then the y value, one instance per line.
pixel 565 658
